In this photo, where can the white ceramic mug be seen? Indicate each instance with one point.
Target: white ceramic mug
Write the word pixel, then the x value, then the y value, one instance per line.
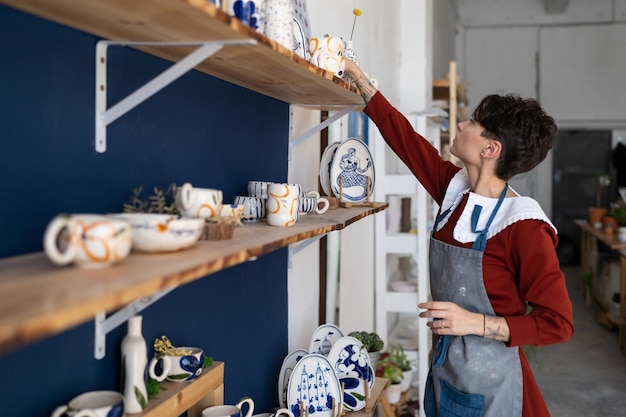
pixel 282 204
pixel 253 207
pixel 93 404
pixel 312 205
pixel 277 413
pixel 178 368
pixel 328 54
pixel 280 25
pixel 196 202
pixel 230 410
pixel 87 240
pixel 258 188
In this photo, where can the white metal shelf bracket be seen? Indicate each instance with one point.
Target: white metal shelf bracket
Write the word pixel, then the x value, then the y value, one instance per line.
pixel 105 116
pixel 104 325
pixel 319 127
pixel 295 248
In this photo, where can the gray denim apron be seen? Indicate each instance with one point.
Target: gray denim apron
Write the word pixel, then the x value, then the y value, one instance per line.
pixel 470 375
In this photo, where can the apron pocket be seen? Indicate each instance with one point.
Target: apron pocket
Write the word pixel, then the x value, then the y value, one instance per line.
pixel 454 403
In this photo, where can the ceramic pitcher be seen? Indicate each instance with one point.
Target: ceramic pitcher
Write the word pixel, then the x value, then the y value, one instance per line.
pixel 280 24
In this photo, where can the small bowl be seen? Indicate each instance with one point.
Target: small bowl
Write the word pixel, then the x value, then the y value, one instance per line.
pixel 153 232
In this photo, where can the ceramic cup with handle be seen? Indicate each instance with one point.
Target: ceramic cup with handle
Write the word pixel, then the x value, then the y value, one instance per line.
pixel 93 404
pixel 280 412
pixel 328 54
pixel 310 203
pixel 254 208
pixel 230 410
pixel 282 204
pixel 181 365
pixel 87 240
pixel 280 25
pixel 258 188
pixel 197 202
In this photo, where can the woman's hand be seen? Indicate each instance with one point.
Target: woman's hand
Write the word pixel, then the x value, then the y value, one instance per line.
pixel 362 81
pixel 449 318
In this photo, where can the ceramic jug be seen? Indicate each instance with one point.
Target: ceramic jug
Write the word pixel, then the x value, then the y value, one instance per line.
pixel 280 24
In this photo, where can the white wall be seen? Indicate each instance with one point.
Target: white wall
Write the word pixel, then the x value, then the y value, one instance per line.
pixel 393 42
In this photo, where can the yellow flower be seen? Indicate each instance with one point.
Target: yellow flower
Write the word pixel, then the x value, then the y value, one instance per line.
pixel 356 12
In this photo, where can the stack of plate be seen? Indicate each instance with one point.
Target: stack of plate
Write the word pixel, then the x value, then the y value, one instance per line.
pixel 345 168
pixel 313 378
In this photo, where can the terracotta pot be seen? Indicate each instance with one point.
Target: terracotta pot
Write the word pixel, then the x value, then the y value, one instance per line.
pixel 609 223
pixel 595 215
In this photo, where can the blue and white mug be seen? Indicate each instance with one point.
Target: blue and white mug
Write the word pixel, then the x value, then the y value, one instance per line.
pixel 184 364
pixel 230 410
pixel 248 11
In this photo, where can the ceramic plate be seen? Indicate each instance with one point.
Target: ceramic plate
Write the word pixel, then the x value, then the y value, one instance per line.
pixel 314 385
pixel 324 338
pixel 353 164
pixel 353 368
pixel 325 165
pixel 289 363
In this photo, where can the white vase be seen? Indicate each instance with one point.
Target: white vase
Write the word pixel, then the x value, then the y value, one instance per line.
pixel 393 393
pixel 134 361
pixel 350 53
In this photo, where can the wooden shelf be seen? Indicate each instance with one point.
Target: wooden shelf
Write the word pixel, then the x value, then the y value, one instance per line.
pixel 380 384
pixel 175 398
pixel 267 67
pixel 40 299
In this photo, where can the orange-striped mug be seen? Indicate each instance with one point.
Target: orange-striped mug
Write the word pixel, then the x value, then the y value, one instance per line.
pixel 202 203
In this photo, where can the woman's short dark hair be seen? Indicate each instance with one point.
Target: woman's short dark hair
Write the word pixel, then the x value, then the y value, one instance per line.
pixel 524 129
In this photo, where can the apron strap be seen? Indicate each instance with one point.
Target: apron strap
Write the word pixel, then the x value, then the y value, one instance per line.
pixel 481 240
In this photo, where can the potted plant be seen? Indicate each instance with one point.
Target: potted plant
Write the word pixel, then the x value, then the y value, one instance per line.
pixel 596 213
pixel 618 211
pixel 404 363
pixel 372 342
pixel 388 368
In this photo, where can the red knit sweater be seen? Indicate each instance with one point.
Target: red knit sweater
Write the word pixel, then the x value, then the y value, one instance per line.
pixel 520 264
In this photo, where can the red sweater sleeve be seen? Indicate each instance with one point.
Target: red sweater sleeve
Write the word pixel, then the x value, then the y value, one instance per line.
pixel 423 159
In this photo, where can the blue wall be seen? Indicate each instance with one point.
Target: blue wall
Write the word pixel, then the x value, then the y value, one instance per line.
pixel 198 129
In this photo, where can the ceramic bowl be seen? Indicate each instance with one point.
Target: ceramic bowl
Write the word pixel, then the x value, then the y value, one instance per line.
pixel 162 232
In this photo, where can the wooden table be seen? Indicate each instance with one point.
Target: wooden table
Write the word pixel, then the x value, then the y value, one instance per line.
pixel 590 238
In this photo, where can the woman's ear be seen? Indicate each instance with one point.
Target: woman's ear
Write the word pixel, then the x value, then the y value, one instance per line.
pixel 493 150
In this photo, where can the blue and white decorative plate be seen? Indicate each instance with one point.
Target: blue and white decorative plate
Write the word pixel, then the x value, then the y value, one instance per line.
pixel 314 385
pixel 286 369
pixel 325 165
pixel 323 339
pixel 352 164
pixel 353 368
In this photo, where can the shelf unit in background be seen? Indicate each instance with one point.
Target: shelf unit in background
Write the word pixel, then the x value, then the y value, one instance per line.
pixel 395 309
pixel 450 94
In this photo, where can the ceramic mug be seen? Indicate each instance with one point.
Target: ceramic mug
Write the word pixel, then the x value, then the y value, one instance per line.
pixel 310 203
pixel 196 202
pixel 93 404
pixel 328 54
pixel 282 204
pixel 230 410
pixel 87 240
pixel 177 367
pixel 254 208
pixel 258 188
pixel 231 210
pixel 277 413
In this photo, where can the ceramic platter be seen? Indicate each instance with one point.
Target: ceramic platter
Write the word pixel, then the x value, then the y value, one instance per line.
pixel 352 365
pixel 325 165
pixel 314 385
pixel 353 164
pixel 289 363
pixel 323 339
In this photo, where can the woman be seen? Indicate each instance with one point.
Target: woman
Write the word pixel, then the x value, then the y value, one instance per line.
pixel 495 278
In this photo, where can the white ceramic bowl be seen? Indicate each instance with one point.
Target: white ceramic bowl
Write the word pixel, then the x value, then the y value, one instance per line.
pixel 162 232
